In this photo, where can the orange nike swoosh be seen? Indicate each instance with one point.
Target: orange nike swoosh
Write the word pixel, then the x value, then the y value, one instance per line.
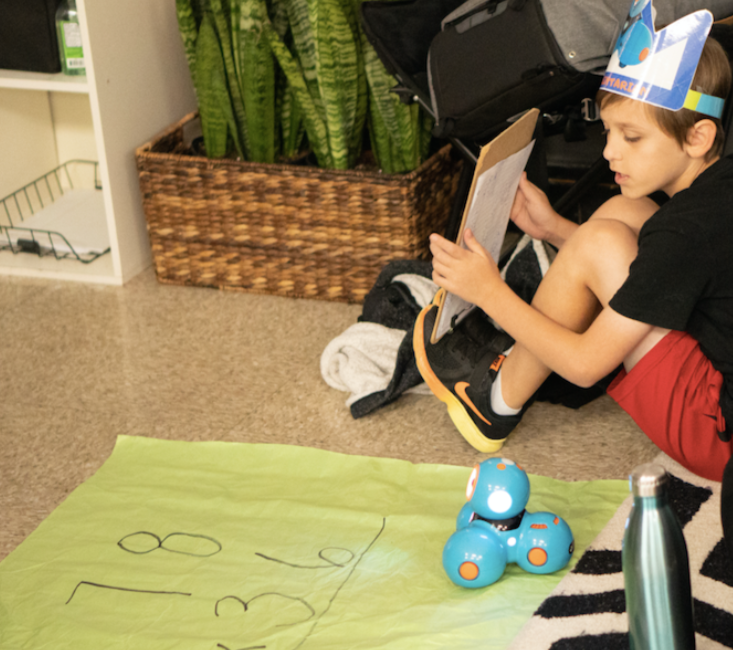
pixel 461 390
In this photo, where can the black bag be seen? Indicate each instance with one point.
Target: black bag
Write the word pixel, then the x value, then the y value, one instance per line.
pixel 28 35
pixel 494 60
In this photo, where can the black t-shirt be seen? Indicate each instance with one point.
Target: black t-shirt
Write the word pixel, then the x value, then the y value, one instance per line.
pixel 682 277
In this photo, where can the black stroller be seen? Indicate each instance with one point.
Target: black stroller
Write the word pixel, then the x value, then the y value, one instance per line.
pixel 473 66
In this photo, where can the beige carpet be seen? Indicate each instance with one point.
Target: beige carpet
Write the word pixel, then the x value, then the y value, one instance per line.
pixel 81 364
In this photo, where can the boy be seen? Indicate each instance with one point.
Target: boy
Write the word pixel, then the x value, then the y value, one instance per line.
pixel 647 287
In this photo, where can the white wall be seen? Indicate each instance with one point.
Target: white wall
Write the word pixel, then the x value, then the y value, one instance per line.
pixel 73 127
pixel 39 131
pixel 27 141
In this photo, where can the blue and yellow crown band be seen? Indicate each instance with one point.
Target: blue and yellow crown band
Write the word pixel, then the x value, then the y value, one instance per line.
pixel 706 104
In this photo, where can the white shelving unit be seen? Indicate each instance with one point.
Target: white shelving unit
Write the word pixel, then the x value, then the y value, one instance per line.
pixel 137 84
pixel 43 82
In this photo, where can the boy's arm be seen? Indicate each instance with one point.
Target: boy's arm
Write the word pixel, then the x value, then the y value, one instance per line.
pixel 582 359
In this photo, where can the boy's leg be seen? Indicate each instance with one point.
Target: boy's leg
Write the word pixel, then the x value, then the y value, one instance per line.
pixel 585 275
pixel 591 266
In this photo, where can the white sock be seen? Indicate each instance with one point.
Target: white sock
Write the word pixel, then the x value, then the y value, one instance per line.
pixel 498 405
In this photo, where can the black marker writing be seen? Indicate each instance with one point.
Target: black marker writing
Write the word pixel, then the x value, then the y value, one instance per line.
pixel 135 591
pixel 343 584
pixel 156 543
pixel 246 603
pixel 321 554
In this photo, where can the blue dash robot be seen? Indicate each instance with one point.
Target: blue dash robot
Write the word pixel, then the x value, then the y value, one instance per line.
pixel 493 529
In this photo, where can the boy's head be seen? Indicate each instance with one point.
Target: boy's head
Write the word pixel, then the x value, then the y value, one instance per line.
pixel 712 77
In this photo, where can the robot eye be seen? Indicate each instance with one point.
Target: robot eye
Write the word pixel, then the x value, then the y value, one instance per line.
pixel 500 501
pixel 472 480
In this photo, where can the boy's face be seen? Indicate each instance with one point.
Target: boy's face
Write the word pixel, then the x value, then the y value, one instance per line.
pixel 643 156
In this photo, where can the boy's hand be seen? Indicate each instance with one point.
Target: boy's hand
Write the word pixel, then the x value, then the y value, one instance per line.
pixel 470 274
pixel 532 211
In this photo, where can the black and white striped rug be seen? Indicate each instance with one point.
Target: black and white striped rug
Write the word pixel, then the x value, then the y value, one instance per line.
pixel 587 610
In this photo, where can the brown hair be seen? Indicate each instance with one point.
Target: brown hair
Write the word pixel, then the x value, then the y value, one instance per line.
pixel 712 77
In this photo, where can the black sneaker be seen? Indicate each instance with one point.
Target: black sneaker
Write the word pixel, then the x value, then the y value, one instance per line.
pixel 459 370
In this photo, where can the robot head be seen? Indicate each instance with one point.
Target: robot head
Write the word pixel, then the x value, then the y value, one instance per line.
pixel 498 489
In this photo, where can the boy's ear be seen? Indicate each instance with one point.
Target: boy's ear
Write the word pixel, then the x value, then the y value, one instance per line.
pixel 700 138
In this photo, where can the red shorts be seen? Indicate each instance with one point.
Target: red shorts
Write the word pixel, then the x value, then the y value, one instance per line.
pixel 672 394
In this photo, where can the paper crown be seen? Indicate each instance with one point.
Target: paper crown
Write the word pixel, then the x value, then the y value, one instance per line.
pixel 658 67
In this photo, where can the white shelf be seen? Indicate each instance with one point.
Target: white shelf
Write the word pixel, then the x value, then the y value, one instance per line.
pixel 137 84
pixel 100 271
pixel 40 81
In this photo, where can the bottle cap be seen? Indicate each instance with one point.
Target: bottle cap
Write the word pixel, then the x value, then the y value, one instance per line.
pixel 648 480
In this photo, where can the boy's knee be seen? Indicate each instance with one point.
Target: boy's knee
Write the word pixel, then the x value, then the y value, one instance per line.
pixel 602 238
pixel 631 212
pixel 598 256
pixel 612 208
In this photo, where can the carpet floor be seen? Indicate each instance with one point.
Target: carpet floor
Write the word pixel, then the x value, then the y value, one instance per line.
pixel 81 364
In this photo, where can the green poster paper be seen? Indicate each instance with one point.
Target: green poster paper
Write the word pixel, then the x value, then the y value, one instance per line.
pixel 234 546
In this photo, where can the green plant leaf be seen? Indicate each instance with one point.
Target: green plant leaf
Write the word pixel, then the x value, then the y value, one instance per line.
pixel 337 61
pixel 223 30
pixel 257 80
pixel 211 81
pixel 235 12
pixel 315 127
pixel 305 48
pixel 380 140
pixel 352 8
pixel 278 12
pixel 189 32
pixel 291 121
pixel 402 121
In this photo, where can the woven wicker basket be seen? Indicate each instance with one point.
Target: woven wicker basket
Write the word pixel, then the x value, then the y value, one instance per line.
pixel 288 230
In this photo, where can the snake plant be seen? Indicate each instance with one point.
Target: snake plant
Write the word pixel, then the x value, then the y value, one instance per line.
pixel 268 71
pixel 400 134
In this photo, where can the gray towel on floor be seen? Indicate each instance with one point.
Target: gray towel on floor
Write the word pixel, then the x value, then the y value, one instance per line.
pixel 373 359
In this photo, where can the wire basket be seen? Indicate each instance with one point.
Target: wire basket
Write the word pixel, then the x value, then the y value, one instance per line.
pixel 43 217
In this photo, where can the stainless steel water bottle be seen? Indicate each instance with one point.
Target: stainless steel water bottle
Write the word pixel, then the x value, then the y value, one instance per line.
pixel 656 568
